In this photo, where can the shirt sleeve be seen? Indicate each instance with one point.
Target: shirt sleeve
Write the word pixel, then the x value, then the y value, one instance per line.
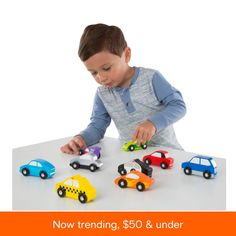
pixel 99 121
pixel 171 98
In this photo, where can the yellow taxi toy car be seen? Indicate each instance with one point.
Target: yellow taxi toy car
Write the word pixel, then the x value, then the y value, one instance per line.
pixel 76 187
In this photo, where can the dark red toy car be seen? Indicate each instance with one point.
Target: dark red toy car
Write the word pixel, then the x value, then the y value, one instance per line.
pixel 159 158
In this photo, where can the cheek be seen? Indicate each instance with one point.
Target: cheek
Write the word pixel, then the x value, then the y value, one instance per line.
pixel 116 76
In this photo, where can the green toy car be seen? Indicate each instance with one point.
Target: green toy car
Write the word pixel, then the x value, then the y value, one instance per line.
pixel 131 146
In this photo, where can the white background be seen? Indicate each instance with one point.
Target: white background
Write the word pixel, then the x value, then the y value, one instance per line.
pixel 46 92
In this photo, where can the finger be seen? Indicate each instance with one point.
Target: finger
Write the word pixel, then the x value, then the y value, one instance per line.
pixel 134 137
pixel 63 149
pixel 74 147
pixel 149 136
pixel 139 137
pixel 66 149
pixel 145 138
pixel 80 143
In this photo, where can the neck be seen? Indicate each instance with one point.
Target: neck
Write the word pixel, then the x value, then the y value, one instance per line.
pixel 128 76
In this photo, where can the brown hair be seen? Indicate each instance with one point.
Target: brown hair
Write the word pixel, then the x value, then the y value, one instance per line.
pixel 99 37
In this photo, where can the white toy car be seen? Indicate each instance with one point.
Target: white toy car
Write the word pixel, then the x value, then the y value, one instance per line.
pixel 87 161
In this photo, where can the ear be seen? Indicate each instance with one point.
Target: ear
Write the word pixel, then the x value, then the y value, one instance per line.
pixel 127 53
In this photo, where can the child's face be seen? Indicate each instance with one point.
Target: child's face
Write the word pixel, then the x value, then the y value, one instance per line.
pixel 109 69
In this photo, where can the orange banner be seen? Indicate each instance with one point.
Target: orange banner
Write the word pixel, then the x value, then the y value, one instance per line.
pixel 118 223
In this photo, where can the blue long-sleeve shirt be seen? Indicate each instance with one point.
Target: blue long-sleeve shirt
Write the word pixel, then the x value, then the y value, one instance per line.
pixel 171 98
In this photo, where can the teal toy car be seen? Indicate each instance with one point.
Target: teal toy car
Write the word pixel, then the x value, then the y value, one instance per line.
pixel 38 167
pixel 131 146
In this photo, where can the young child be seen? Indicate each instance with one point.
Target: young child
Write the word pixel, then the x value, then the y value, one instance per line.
pixel 142 104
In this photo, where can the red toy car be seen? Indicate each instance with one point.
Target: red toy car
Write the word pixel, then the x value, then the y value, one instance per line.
pixel 159 158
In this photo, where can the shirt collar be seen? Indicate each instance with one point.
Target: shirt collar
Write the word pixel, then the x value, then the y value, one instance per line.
pixel 133 80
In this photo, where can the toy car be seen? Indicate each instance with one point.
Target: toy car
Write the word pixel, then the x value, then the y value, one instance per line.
pixel 135 164
pixel 159 158
pixel 87 161
pixel 204 164
pixel 131 146
pixel 135 179
pixel 38 167
pixel 76 187
pixel 94 149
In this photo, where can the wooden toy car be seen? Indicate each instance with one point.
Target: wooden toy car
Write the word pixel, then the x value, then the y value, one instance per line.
pixel 38 167
pixel 205 165
pixel 94 149
pixel 87 161
pixel 135 164
pixel 76 187
pixel 131 146
pixel 159 158
pixel 135 179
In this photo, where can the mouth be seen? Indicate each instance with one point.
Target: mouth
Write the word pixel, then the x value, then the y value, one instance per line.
pixel 108 85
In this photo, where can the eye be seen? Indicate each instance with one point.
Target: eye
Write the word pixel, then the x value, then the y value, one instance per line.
pixel 107 68
pixel 94 73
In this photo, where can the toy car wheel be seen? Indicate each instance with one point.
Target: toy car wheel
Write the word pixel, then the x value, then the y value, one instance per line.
pixel 83 198
pixel 122 183
pixel 81 152
pixel 131 148
pixel 123 172
pixel 92 167
pixel 207 174
pixel 25 172
pixel 148 161
pixel 140 186
pixel 163 165
pixel 43 175
pixel 61 192
pixel 144 146
pixel 75 165
pixel 187 170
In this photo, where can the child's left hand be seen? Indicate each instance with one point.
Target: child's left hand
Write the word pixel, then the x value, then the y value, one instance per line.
pixel 144 132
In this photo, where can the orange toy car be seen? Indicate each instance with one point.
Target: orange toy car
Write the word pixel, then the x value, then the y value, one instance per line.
pixel 135 179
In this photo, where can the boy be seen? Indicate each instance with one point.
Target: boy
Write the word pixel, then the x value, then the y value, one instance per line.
pixel 142 104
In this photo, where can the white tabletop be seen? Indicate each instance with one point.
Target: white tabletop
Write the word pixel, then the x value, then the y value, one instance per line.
pixel 172 190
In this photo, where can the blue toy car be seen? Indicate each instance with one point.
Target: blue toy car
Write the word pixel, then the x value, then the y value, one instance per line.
pixel 203 164
pixel 38 167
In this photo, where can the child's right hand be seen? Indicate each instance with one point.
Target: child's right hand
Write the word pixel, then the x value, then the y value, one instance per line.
pixel 74 146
